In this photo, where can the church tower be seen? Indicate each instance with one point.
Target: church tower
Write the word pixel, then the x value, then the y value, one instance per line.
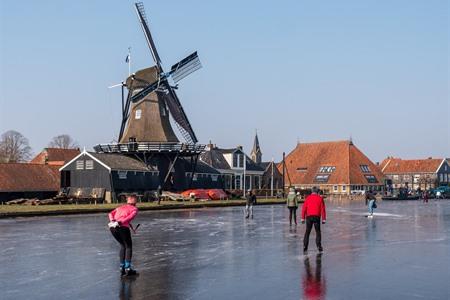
pixel 256 151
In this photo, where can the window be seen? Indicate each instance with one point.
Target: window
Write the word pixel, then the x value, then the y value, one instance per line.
pixel 344 188
pixel 441 177
pixel 241 160
pixel 395 177
pixel 302 169
pixel 335 188
pixel 214 177
pixel 80 165
pixel 364 168
pixel 257 186
pixel 89 164
pixel 321 178
pixel 122 174
pixel 194 178
pixel 138 114
pixel 327 169
pixel 238 182
pixel 235 161
pixel 371 179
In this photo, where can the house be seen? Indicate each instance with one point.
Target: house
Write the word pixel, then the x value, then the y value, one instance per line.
pixel 25 180
pixel 38 179
pixel 415 173
pixel 233 164
pixel 336 167
pixel 55 156
pixel 113 174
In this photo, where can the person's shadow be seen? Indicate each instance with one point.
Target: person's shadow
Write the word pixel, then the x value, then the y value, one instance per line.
pixel 314 284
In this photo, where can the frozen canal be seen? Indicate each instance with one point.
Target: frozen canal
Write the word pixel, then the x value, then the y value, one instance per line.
pixel 403 253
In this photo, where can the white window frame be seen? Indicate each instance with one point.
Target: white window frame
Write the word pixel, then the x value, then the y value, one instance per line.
pixel 89 164
pixel 79 165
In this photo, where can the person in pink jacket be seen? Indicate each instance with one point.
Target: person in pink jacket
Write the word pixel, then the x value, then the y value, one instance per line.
pixel 119 225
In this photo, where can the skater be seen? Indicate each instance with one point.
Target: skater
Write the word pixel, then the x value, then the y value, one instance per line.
pixel 425 196
pixel 312 211
pixel 371 202
pixel 119 226
pixel 292 205
pixel 251 199
pixel 159 193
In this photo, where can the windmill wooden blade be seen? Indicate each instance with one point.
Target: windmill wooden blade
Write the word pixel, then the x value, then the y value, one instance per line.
pixel 185 67
pixel 139 6
pixel 178 114
pixel 125 114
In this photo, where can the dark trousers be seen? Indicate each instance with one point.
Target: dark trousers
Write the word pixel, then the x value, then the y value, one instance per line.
pixel 310 221
pixel 292 212
pixel 123 236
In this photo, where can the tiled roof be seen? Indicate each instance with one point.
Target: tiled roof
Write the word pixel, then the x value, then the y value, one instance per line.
pixel 121 162
pixel 24 177
pixel 215 158
pixel 304 162
pixel 55 156
pixel 200 168
pixel 392 165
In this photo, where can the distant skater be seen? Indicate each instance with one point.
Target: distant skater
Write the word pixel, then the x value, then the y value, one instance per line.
pixel 425 196
pixel 159 194
pixel 312 211
pixel 292 205
pixel 251 200
pixel 119 226
pixel 371 202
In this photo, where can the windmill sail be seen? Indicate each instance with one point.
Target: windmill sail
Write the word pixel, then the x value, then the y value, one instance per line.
pixel 185 67
pixel 148 36
pixel 178 114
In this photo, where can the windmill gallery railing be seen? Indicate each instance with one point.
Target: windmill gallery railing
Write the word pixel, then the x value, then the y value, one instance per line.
pixel 144 147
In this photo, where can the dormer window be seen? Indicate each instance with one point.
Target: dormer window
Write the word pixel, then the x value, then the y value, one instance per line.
pixel 364 168
pixel 238 160
pixel 235 161
pixel 321 178
pixel 371 179
pixel 327 169
pixel 302 170
pixel 241 160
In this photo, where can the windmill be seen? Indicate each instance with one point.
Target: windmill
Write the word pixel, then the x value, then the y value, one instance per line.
pixel 146 131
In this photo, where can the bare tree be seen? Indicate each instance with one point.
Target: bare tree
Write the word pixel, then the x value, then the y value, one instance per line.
pixel 14 147
pixel 63 141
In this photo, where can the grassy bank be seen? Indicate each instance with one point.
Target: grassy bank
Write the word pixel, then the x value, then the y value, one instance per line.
pixel 7 211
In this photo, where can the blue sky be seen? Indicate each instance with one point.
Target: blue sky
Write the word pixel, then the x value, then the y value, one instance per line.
pixel 295 70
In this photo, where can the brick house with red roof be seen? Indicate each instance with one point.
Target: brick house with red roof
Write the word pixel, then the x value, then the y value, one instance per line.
pixel 39 178
pixel 337 167
pixel 415 173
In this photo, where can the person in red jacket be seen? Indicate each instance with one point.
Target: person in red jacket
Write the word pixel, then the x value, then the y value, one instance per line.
pixel 119 225
pixel 312 210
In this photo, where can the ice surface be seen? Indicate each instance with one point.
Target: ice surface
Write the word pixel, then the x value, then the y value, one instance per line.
pixel 402 253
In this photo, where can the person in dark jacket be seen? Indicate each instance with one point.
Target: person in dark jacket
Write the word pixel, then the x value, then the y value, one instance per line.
pixel 251 200
pixel 371 202
pixel 312 211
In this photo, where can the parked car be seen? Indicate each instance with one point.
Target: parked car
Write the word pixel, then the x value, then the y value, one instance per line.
pixel 441 192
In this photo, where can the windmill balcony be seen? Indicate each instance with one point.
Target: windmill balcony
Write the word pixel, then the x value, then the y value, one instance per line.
pixel 148 147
